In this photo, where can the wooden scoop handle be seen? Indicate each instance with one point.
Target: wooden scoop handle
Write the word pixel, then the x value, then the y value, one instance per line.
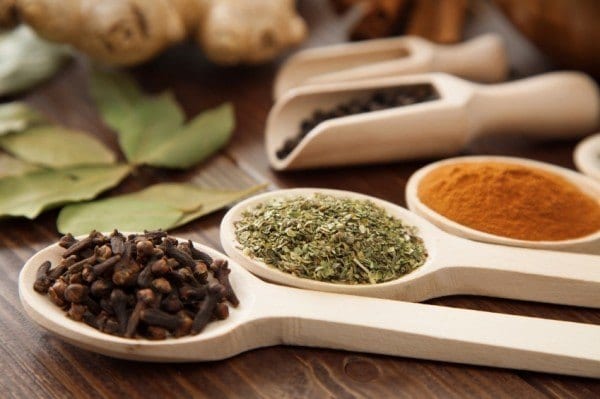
pixel 519 273
pixel 423 331
pixel 554 105
pixel 482 59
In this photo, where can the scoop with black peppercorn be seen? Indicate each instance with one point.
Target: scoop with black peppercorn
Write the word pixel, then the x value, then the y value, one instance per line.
pixel 421 116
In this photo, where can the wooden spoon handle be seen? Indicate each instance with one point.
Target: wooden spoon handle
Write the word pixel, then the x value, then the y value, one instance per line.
pixel 519 273
pixel 554 105
pixel 423 331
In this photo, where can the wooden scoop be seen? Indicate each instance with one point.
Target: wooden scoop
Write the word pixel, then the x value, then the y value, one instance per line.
pixel 554 105
pixel 272 315
pixel 481 59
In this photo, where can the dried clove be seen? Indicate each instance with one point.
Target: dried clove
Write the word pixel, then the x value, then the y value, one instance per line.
pixel 161 285
pixel 188 293
pixel 183 258
pixel 78 247
pixel 221 311
pixel 118 302
pixel 144 279
pixel 106 265
pixel 67 241
pixel 103 253
pixel 144 248
pixel 117 243
pixel 160 267
pixel 199 255
pixel 172 303
pixel 76 311
pixel 156 333
pixel 207 307
pixel 141 286
pixel 57 292
pixel 101 288
pixel 76 293
pixel 145 297
pixel 221 272
pixel 42 281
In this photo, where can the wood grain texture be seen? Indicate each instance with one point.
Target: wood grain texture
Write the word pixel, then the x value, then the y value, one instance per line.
pixel 36 365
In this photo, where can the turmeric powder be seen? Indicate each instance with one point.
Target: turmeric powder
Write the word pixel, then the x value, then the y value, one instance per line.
pixel 511 200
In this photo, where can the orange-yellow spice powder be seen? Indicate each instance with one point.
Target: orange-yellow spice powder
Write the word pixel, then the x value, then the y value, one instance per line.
pixel 511 200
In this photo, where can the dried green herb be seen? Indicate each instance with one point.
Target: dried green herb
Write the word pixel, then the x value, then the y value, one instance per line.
pixel 152 129
pixel 161 206
pixel 330 239
pixel 56 147
pixel 26 59
pixel 30 194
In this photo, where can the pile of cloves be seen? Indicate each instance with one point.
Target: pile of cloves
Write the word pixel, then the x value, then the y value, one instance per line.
pixel 140 286
pixel 379 100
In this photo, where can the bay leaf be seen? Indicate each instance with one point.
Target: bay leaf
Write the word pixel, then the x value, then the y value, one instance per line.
pixel 136 118
pixel 201 137
pixel 186 200
pixel 123 213
pixel 31 194
pixel 16 116
pixel 151 129
pixel 213 200
pixel 56 147
pixel 10 166
pixel 26 59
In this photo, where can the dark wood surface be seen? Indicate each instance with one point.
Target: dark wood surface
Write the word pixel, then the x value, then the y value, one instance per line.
pixel 35 364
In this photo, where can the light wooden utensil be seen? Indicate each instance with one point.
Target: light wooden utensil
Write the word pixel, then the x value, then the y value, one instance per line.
pixel 587 156
pixel 274 315
pixel 553 105
pixel 588 244
pixel 454 266
pixel 481 59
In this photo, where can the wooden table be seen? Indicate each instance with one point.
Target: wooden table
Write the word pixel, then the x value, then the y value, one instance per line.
pixel 33 363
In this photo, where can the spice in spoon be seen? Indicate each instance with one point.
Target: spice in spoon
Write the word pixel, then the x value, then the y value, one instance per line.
pixel 510 200
pixel 379 100
pixel 140 286
pixel 332 239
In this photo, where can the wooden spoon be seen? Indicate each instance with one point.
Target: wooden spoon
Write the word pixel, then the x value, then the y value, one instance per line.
pixel 587 244
pixel 274 315
pixel 454 265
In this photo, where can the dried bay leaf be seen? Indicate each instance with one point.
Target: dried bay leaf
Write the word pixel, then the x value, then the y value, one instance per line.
pixel 137 119
pixel 16 116
pixel 26 59
pixel 56 147
pixel 125 214
pixel 10 166
pixel 201 137
pixel 213 200
pixel 151 129
pixel 186 200
pixel 31 194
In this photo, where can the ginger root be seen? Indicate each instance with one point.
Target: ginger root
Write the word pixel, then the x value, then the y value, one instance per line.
pixel 127 32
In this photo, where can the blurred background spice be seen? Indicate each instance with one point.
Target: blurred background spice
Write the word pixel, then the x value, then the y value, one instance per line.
pixel 511 200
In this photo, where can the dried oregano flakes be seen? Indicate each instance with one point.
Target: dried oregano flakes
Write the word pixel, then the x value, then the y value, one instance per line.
pixel 330 239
